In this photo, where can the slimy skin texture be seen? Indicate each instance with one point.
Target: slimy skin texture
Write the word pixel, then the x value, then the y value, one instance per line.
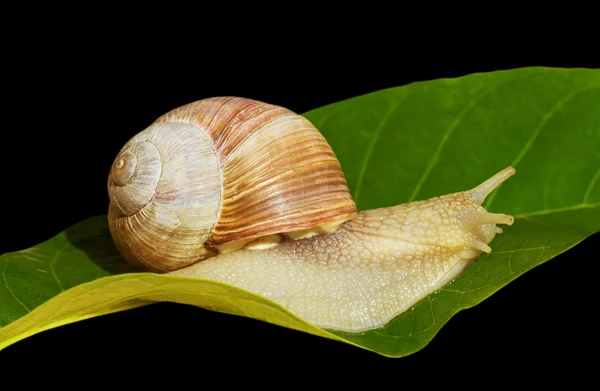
pixel 373 267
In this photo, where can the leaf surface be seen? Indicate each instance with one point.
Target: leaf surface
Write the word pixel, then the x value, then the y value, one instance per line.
pixel 395 145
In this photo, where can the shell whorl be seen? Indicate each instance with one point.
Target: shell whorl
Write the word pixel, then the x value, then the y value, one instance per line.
pixel 130 192
pixel 221 170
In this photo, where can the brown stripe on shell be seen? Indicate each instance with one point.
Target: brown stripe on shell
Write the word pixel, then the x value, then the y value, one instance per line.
pixel 284 178
pixel 141 237
pixel 227 121
pixel 279 173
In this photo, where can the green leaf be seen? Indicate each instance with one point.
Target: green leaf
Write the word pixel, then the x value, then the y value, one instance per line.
pixel 395 145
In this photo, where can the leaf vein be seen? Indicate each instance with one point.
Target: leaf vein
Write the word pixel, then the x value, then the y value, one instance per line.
pixel 53 261
pixel 591 186
pixel 524 243
pixel 525 249
pixel 371 147
pixel 10 290
pixel 469 277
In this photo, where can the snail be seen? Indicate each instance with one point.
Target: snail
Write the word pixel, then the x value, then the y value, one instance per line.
pixel 250 194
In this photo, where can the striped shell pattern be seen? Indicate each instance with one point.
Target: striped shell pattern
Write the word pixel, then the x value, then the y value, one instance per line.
pixel 217 171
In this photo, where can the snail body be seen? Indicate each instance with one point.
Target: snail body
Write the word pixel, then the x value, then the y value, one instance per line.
pixel 321 258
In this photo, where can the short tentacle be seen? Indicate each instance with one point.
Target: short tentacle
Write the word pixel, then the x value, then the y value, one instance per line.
pixel 475 219
pixel 494 218
pixel 479 245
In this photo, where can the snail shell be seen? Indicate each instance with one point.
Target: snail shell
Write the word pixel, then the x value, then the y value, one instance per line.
pixel 217 174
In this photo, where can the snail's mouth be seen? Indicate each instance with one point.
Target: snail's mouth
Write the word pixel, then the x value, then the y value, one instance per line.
pixel 134 177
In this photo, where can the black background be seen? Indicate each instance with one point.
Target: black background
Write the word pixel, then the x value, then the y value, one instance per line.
pixel 78 81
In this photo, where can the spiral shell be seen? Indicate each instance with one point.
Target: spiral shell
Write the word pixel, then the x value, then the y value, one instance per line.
pixel 220 171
